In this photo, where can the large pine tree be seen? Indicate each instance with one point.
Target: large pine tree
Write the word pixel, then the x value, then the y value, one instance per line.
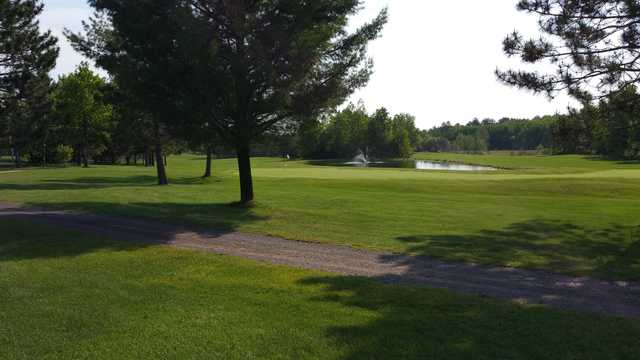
pixel 26 57
pixel 242 66
pixel 593 44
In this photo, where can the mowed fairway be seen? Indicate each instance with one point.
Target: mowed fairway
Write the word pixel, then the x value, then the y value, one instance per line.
pixel 68 296
pixel 568 214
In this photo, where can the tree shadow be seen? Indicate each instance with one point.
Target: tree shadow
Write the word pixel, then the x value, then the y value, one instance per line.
pixel 419 323
pixel 83 183
pixel 87 183
pixel 27 239
pixel 559 246
pixel 617 161
pixel 119 226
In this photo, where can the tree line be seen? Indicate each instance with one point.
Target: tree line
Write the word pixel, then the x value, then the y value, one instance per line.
pixel 491 135
pixel 256 76
pixel 353 131
pixel 197 72
pixel 610 128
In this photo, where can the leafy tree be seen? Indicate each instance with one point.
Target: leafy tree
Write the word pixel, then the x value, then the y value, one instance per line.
pixel 81 107
pixel 253 63
pixel 594 44
pixel 405 135
pixel 147 68
pixel 436 144
pixel 379 133
pixel 611 128
pixel 26 57
pixel 619 125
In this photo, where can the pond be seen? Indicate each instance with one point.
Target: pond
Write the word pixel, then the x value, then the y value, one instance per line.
pixel 409 164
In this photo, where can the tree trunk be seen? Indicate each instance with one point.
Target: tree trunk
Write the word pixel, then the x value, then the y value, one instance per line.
pixel 16 158
pixel 85 157
pixel 244 168
pixel 162 173
pixel 207 170
pixel 78 156
pixel 44 154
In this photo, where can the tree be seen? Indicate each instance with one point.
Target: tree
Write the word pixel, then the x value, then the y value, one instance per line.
pixel 594 45
pixel 264 62
pixel 247 65
pixel 619 126
pixel 610 128
pixel 147 68
pixel 379 133
pixel 405 134
pixel 26 57
pixel 80 105
pixel 264 74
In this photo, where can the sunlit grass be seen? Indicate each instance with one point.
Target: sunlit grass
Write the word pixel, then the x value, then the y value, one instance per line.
pixel 569 214
pixel 68 296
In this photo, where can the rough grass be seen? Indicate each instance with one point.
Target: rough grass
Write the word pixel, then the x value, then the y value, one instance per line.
pixel 569 214
pixel 67 296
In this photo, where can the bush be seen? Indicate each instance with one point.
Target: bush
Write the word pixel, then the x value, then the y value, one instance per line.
pixel 63 154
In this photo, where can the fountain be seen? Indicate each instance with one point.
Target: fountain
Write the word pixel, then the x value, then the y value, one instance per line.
pixel 359 160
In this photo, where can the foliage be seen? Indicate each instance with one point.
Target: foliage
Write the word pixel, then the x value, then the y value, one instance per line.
pixel 593 44
pixel 63 154
pixel 488 134
pixel 352 131
pixel 611 128
pixel 229 66
pixel 84 115
pixel 26 57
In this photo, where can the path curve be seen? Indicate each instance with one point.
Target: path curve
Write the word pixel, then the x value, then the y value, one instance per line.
pixel 522 286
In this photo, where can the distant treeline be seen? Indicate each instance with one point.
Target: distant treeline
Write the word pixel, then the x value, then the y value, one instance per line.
pixel 489 135
pixel 92 119
pixel 610 128
pixel 381 135
pixel 353 131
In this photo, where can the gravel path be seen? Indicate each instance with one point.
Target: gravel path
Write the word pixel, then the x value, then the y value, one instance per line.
pixel 522 286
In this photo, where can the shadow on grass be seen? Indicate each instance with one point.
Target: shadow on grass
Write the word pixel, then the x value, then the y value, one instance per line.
pixel 27 239
pixel 617 161
pixel 87 183
pixel 83 183
pixel 612 252
pixel 418 323
pixel 129 226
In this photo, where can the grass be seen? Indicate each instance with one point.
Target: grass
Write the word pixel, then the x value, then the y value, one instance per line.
pixel 69 296
pixel 569 214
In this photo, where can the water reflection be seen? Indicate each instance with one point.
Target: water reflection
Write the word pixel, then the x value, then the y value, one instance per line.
pixel 410 164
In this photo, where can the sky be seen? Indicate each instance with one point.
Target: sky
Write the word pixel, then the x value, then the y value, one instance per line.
pixel 435 59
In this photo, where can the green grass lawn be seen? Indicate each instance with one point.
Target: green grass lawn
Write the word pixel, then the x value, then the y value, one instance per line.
pixel 569 214
pixel 67 296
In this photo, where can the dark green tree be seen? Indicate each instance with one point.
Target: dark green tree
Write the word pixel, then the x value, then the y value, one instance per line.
pixel 265 62
pixel 147 67
pixel 253 63
pixel 26 57
pixel 379 134
pixel 594 45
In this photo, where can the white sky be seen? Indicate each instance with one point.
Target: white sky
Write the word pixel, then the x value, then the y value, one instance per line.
pixel 435 60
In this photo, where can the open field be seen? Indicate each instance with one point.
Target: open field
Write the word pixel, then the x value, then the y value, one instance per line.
pixel 566 214
pixel 72 296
